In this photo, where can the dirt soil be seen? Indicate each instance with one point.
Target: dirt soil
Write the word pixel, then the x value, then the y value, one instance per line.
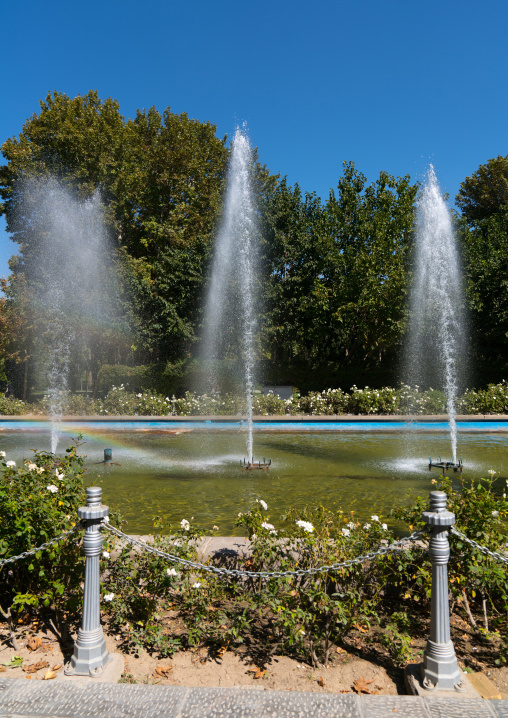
pixel 43 658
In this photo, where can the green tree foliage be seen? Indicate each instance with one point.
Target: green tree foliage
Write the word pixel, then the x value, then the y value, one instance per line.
pixel 485 192
pixel 337 283
pixel 160 178
pixel 483 199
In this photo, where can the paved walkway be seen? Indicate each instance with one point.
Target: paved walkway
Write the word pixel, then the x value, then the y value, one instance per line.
pixel 20 698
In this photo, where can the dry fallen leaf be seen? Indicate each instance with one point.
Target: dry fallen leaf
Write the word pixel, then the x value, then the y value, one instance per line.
pixel 362 686
pixel 47 648
pixel 163 671
pixel 57 668
pixel 321 682
pixel 222 650
pixel 2 669
pixel 339 650
pixel 36 667
pixel 34 643
pixel 49 675
pixel 360 628
pixel 258 672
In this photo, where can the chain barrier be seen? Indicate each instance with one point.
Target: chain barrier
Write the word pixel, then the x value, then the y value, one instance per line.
pixel 396 545
pixel 44 546
pixel 482 549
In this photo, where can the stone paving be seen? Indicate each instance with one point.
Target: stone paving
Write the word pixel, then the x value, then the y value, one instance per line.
pixel 20 698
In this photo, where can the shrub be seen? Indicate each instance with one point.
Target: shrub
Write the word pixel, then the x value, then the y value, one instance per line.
pixel 39 501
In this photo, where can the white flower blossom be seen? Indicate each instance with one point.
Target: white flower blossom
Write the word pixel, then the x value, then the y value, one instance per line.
pixel 40 469
pixel 2 454
pixel 185 524
pixel 274 532
pixel 215 528
pixel 366 526
pixel 253 537
pixel 105 554
pixel 267 526
pixel 52 488
pixel 491 472
pixel 11 463
pixel 59 476
pixel 384 527
pixel 109 596
pixel 346 532
pixel 171 572
pixel 351 525
pixel 495 514
pixel 106 519
pixel 196 585
pixel 306 526
pixel 374 518
pixel 32 467
pixel 264 505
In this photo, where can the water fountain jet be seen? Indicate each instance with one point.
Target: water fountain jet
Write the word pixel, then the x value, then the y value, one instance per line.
pixel 436 347
pixel 232 304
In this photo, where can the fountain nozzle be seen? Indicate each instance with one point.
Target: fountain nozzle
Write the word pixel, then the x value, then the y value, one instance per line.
pixel 250 464
pixel 446 465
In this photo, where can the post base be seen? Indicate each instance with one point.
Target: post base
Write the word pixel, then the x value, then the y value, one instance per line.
pixel 413 681
pixel 440 670
pixel 90 656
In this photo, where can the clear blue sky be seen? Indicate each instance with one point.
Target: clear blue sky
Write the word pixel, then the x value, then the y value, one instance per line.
pixel 391 85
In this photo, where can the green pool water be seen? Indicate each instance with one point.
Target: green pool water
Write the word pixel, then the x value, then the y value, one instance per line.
pixel 197 476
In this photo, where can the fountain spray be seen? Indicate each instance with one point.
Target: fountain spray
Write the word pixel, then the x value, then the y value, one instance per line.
pixel 232 291
pixel 437 331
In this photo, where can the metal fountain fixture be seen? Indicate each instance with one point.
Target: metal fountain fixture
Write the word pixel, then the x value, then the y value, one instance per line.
pixel 250 465
pixel 445 466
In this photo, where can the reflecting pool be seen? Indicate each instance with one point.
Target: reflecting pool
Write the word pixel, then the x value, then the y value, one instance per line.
pixel 197 475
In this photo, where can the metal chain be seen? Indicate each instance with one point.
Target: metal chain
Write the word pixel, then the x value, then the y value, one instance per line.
pixel 482 549
pixel 266 574
pixel 44 546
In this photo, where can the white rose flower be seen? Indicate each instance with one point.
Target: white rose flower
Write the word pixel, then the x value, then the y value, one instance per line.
pixel 109 596
pixel 366 526
pixel 384 527
pixel 171 572
pixel 59 476
pixel 105 554
pixel 267 526
pixel 374 518
pixel 495 514
pixel 346 532
pixel 264 505
pixel 40 469
pixel 52 488
pixel 185 524
pixel 32 467
pixel 2 454
pixel 11 463
pixel 306 526
pixel 350 525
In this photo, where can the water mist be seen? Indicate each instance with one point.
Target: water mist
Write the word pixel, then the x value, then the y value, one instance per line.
pixel 230 312
pixel 70 281
pixel 436 346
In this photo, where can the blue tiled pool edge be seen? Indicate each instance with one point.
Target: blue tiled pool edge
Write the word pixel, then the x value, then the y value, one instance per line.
pixel 307 424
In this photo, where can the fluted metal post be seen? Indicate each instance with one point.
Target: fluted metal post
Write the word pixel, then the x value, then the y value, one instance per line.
pixel 440 670
pixel 90 655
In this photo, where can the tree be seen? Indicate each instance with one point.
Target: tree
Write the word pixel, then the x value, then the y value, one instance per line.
pixel 485 192
pixel 160 179
pixel 338 277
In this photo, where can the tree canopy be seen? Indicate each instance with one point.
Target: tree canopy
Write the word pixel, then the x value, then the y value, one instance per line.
pixel 334 273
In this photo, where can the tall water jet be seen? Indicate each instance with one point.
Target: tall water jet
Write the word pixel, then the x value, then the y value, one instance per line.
pixel 437 336
pixel 70 284
pixel 230 311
